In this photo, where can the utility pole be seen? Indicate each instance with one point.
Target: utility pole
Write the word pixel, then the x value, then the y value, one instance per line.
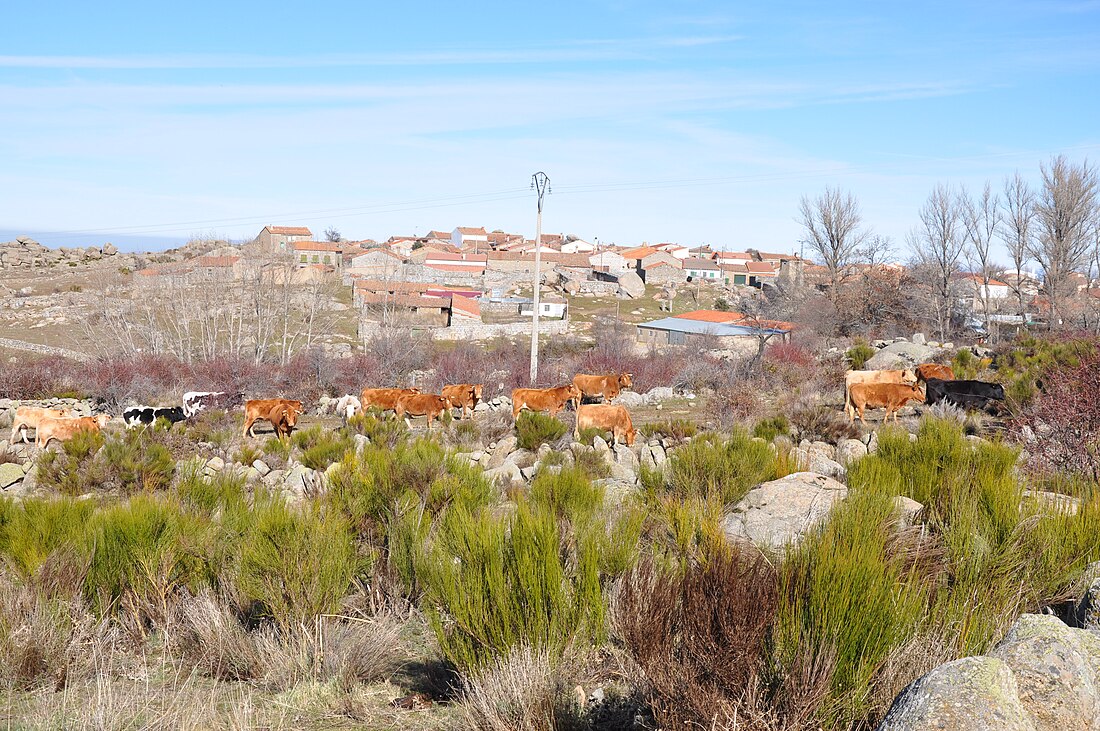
pixel 540 183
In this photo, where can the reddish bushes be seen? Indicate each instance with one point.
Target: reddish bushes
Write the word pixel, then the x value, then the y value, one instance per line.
pixel 1064 418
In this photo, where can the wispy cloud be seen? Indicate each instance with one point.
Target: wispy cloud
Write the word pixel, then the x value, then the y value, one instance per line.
pixel 570 51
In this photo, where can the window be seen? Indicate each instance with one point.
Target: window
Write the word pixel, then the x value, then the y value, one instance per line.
pixel 546 308
pixel 738 278
pixel 316 258
pixel 327 259
pixel 304 258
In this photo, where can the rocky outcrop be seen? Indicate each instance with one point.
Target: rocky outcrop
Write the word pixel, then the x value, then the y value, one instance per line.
pixel 27 253
pixel 1043 676
pixel 781 512
pixel 631 286
pixel 900 355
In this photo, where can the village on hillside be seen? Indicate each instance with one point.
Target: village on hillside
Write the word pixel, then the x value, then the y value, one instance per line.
pixel 285 289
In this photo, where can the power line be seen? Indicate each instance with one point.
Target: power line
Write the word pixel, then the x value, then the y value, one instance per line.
pixel 340 213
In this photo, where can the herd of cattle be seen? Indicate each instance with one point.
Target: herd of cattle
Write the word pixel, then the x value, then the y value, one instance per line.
pixel 929 383
pixel 61 425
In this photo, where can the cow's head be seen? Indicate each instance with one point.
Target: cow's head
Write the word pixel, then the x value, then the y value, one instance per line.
pixel 477 389
pixel 291 412
pixel 908 376
pixel 348 406
pixel 574 392
pixel 631 433
pixel 626 380
pixel 102 420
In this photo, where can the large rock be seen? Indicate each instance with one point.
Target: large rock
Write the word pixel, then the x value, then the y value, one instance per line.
pixel 10 473
pixel 974 693
pixel 777 513
pixel 631 399
pixel 631 285
pixel 899 355
pixel 500 452
pixel 505 474
pixel 1055 669
pixel 815 461
pixel 1041 677
pixel 849 450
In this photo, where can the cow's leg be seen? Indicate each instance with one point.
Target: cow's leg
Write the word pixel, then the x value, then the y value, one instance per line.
pixel 248 427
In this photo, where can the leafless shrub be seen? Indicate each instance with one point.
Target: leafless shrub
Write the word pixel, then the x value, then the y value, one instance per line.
pixel 211 636
pixel 40 638
pixel 818 422
pixel 522 691
pixel 700 635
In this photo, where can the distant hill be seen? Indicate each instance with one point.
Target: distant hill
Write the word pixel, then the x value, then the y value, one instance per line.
pixel 123 242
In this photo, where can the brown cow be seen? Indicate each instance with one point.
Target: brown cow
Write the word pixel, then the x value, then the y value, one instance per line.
pixel 29 416
pixel 66 428
pixel 384 399
pixel 282 413
pixel 552 400
pixel 606 417
pixel 422 404
pixel 606 387
pixel 928 371
pixel 906 377
pixel 464 395
pixel 890 396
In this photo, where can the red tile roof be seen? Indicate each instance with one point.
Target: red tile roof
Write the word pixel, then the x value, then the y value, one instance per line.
pixel 404 300
pixel 696 263
pixel 711 316
pixel 318 246
pixel 468 269
pixel 215 261
pixel 467 305
pixel 639 252
pixel 761 267
pixel 467 231
pixel 289 230
pixel 377 285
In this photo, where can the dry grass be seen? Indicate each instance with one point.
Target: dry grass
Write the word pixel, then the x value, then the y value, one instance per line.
pixel 524 690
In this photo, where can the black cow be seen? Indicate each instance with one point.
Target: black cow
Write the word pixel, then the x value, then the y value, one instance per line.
pixel 138 415
pixel 964 394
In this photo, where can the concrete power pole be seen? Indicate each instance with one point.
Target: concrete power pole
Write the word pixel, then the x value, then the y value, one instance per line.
pixel 540 183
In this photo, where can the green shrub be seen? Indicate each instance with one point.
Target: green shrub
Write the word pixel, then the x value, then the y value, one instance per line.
pixel 35 528
pixel 73 470
pixel 858 355
pixel 136 462
pixel 534 429
pixel 678 429
pixel 141 553
pixel 320 447
pixel 492 584
pixel 297 564
pixel 709 466
pixel 248 454
pixel 772 427
pixel 592 464
pixel 385 432
pixel 822 423
pixel 589 434
pixel 467 433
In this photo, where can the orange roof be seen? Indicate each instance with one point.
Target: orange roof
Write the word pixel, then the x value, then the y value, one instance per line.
pixel 469 305
pixel 376 285
pixel 739 255
pixel 215 261
pixel 404 300
pixel 476 268
pixel 978 280
pixel 318 246
pixel 453 256
pixel 639 252
pixel 760 267
pixel 711 316
pixel 379 250
pixel 467 231
pixel 289 230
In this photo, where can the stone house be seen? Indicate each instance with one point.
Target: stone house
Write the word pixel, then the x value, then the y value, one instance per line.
pixel 273 239
pixel 323 253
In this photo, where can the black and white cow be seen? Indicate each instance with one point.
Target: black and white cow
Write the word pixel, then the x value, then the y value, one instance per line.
pixel 196 401
pixel 136 416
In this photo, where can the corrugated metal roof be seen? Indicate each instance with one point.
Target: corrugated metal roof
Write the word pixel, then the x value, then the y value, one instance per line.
pixel 697 327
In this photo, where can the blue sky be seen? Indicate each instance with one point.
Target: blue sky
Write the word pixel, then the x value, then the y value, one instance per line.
pixel 690 121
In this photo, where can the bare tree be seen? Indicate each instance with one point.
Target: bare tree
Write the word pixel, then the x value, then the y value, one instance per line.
pixel 1017 229
pixel 937 243
pixel 1066 216
pixel 834 232
pixel 981 218
pixel 333 234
